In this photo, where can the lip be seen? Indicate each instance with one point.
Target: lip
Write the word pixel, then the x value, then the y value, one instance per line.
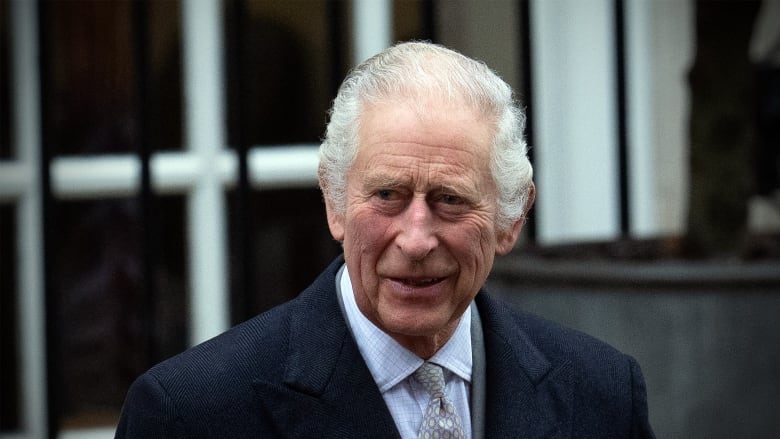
pixel 422 287
pixel 419 282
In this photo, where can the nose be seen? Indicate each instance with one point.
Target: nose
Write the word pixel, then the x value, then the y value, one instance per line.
pixel 417 237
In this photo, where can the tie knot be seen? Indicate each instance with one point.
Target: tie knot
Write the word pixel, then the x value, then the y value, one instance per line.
pixel 431 376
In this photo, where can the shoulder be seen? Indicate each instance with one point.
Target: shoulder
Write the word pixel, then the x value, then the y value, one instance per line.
pixel 555 341
pixel 190 391
pixel 224 368
pixel 606 386
pixel 600 370
pixel 255 345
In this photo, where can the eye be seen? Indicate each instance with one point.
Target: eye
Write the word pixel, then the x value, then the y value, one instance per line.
pixel 388 201
pixel 450 205
pixel 387 194
pixel 452 200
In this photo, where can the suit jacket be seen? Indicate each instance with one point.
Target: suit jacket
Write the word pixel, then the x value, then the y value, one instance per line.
pixel 295 371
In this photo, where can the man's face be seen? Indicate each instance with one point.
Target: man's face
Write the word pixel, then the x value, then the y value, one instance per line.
pixel 419 228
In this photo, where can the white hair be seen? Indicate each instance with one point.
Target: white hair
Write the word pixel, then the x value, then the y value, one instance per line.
pixel 420 69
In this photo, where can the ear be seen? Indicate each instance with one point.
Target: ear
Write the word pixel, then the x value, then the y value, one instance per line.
pixel 335 221
pixel 506 240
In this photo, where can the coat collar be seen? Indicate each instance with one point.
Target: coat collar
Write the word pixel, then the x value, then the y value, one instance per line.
pixel 328 391
pixel 526 394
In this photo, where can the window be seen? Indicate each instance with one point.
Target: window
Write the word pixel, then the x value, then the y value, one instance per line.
pixel 9 367
pixel 5 85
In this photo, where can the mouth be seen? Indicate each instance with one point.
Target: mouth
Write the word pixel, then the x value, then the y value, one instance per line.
pixel 419 282
pixel 417 290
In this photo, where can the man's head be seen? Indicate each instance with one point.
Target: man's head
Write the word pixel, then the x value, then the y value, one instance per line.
pixel 425 178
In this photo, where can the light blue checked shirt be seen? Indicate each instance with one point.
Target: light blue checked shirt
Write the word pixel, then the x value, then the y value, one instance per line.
pixel 392 366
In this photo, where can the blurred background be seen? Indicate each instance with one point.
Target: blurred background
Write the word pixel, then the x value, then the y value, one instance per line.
pixel 158 185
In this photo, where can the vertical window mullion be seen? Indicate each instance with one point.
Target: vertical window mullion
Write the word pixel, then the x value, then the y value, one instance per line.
pixel 372 28
pixel 573 124
pixel 32 321
pixel 205 138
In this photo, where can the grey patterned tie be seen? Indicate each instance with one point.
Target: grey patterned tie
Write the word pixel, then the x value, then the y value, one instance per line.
pixel 440 419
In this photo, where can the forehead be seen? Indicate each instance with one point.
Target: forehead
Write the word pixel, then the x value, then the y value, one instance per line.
pixel 409 135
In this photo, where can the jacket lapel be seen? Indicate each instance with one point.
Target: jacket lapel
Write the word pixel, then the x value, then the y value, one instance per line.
pixel 327 389
pixel 526 396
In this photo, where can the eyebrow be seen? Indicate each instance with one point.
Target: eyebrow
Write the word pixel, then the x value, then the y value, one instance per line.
pixel 383 180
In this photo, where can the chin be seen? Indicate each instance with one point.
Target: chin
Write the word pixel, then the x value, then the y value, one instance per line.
pixel 416 325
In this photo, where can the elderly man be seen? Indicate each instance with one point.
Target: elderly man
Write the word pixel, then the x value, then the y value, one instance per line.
pixel 425 180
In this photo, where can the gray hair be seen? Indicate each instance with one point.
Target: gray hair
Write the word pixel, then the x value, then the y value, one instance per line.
pixel 414 69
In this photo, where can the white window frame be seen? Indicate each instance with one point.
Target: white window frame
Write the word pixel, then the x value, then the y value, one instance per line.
pixel 20 183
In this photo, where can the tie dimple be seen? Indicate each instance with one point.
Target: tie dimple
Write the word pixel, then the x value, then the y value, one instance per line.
pixel 440 419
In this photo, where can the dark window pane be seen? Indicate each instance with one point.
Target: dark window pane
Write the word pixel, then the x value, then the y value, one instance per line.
pixel 170 277
pixel 279 64
pixel 164 104
pixel 287 247
pixel 9 336
pixel 5 82
pixel 102 307
pixel 90 76
pixel 411 21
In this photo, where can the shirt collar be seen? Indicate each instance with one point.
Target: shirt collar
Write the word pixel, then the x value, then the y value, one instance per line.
pixel 388 361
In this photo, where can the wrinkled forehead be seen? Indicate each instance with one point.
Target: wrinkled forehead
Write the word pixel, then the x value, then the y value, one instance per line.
pixel 431 107
pixel 427 113
pixel 424 133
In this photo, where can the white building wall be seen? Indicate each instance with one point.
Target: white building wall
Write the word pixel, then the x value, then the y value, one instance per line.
pixel 660 39
pixel 574 99
pixel 575 123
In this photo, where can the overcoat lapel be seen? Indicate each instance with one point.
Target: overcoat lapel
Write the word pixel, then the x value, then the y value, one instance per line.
pixel 327 389
pixel 526 396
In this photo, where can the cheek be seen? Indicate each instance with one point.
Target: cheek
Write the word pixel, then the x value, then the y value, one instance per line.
pixel 475 237
pixel 476 247
pixel 367 233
